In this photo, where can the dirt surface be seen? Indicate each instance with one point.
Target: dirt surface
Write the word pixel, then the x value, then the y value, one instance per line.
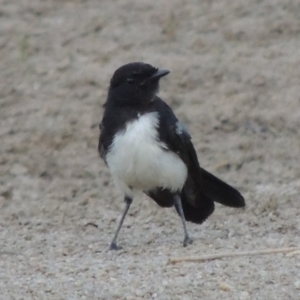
pixel 234 82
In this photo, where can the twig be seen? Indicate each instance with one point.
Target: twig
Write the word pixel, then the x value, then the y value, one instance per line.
pixel 175 260
pixel 91 224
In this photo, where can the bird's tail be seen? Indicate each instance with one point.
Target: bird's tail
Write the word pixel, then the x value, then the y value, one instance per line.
pixel 198 201
pixel 199 211
pixel 219 191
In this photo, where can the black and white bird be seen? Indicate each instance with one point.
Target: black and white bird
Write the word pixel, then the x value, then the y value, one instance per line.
pixel 146 148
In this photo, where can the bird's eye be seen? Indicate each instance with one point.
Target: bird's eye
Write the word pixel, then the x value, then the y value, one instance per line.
pixel 130 80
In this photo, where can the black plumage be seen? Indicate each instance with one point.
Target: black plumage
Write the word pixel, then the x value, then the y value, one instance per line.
pixel 132 94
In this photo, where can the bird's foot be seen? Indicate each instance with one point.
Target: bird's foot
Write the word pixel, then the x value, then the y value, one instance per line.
pixel 114 246
pixel 187 241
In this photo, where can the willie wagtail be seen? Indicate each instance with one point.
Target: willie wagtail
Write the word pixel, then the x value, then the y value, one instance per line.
pixel 146 148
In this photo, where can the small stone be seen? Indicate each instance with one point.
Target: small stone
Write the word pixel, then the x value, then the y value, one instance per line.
pixel 64 64
pixel 258 81
pixel 139 293
pixel 225 286
pixel 244 296
pixel 18 169
pixel 297 284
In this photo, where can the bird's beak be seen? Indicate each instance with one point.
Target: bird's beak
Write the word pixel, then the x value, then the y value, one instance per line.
pixel 156 76
pixel 159 73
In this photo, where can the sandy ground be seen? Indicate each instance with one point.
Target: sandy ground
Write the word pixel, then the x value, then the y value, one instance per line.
pixel 234 82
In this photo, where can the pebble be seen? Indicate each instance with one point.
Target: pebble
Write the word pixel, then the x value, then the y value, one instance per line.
pixel 18 169
pixel 225 286
pixel 297 284
pixel 244 295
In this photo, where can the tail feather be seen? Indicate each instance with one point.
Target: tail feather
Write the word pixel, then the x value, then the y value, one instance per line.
pixel 197 213
pixel 198 198
pixel 219 191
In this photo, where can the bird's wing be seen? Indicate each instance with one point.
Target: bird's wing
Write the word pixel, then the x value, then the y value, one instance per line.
pixel 199 183
pixel 102 147
pixel 175 135
pixel 196 205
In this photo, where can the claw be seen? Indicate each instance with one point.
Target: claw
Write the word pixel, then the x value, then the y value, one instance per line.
pixel 114 246
pixel 187 241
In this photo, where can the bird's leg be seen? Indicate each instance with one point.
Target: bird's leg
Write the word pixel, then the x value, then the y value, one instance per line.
pixel 113 245
pixel 187 240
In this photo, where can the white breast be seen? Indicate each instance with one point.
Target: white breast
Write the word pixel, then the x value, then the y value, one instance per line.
pixel 137 160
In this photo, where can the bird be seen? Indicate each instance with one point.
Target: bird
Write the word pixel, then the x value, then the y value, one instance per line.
pixel 146 148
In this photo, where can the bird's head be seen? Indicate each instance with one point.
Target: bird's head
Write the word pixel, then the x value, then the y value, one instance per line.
pixel 135 84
